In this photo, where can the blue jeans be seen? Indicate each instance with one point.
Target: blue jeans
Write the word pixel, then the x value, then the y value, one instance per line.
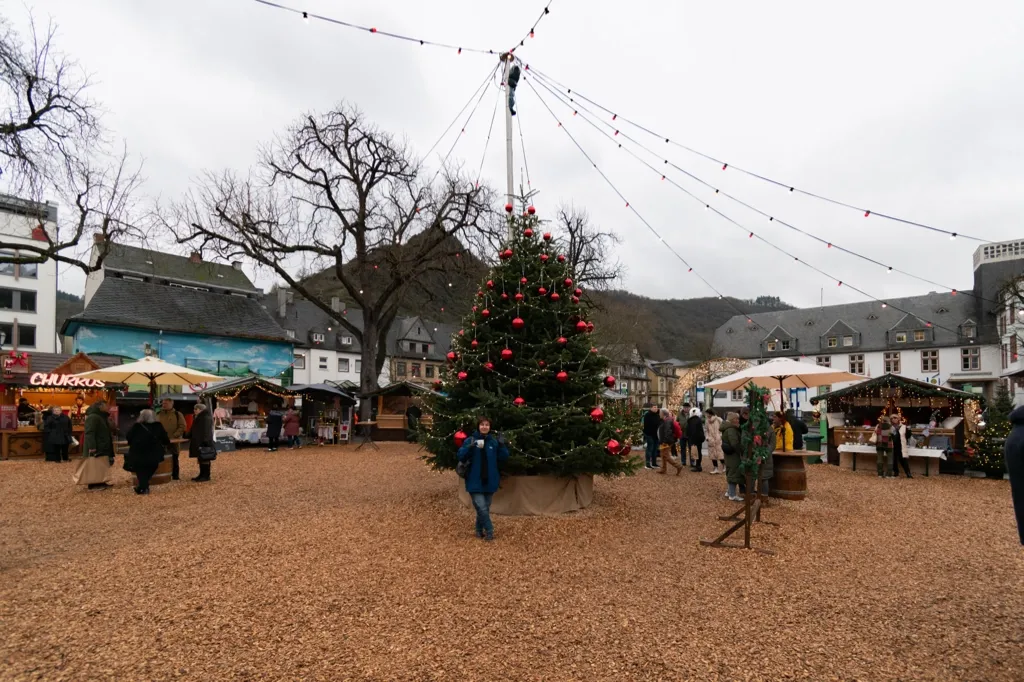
pixel 652 450
pixel 482 504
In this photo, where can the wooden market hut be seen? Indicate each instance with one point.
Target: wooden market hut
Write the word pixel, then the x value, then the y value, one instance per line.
pixel 251 397
pixel 853 412
pixel 389 407
pixel 326 412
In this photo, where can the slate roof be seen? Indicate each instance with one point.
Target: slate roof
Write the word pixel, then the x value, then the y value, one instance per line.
pixel 146 262
pixel 868 320
pixel 47 362
pixel 127 303
pixel 439 346
pixel 306 318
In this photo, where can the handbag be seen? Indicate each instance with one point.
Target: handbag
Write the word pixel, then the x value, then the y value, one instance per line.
pixel 207 453
pixel 874 438
pixel 92 470
pixel 462 468
pixel 728 449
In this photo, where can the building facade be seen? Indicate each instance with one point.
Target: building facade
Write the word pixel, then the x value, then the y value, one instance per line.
pixel 28 291
pixel 630 372
pixel 323 349
pixel 416 350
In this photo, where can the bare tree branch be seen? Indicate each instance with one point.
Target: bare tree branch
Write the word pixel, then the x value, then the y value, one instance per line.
pixel 588 249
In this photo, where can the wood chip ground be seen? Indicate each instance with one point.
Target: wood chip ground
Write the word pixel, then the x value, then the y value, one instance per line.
pixel 333 564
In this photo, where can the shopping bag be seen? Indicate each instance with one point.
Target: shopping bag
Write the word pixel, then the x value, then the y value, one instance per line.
pixel 92 470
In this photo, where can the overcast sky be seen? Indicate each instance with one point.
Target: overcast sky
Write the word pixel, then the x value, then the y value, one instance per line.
pixel 911 108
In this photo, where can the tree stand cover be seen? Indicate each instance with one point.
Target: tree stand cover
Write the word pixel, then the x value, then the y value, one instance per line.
pixel 539 495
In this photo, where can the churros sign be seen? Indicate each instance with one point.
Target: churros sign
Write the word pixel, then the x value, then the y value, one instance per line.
pixel 63 381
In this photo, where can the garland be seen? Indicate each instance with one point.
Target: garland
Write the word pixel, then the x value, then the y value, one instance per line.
pixel 758 436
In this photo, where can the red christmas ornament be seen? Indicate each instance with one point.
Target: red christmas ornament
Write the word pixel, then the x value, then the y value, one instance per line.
pixel 506 354
pixel 576 299
pixel 519 298
pixel 593 350
pixel 609 381
pixel 527 233
pixel 462 332
pixel 519 402
pixel 547 236
pixel 474 343
pixel 474 309
pixel 463 376
pixel 451 356
pixel 518 323
pixel 508 208
pixel 531 210
pixel 562 376
pixel 490 284
pixel 581 326
pixel 613 447
pixel 597 414
pixel 485 312
pixel 561 258
pixel 542 364
pixel 544 258
pixel 562 340
pixel 437 384
pixel 489 366
pixel 480 294
pixel 578 292
pixel 504 296
pixel 506 254
pixel 555 296
pixel 567 282
pixel 542 291
pixel 590 327
pixel 460 438
pixel 757 440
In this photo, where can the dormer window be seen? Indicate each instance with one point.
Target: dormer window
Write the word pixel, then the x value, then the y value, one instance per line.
pixel 919 335
pixel 969 331
pixel 848 341
pixel 290 333
pixel 318 338
pixel 785 345
pixel 771 346
pixel 809 323
pixel 901 337
pixel 346 340
pixel 833 342
pixel 872 316
pixel 941 311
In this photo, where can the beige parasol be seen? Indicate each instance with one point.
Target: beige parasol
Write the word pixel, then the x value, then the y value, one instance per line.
pixel 152 372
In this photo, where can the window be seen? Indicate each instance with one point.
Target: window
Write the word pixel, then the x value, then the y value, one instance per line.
pixel 30 270
pixel 892 363
pixel 856 364
pixel 929 361
pixel 901 337
pixel 7 299
pixel 823 361
pixel 739 396
pixel 919 335
pixel 318 338
pixel 290 333
pixel 343 365
pixel 771 346
pixel 400 369
pixel 425 347
pixel 823 389
pixel 359 366
pixel 847 340
pixel 26 335
pixel 7 268
pixel 299 361
pixel 785 345
pixel 322 362
pixel 969 331
pixel 970 359
pixel 1013 348
pixel 833 342
pixel 14 299
pixel 417 370
pixel 430 371
pixel 346 340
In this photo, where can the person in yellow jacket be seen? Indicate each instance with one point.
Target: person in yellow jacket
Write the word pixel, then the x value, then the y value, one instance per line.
pixel 783 432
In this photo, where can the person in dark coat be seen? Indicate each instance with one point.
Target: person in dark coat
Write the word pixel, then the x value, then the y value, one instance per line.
pixel 292 426
pixel 484 451
pixel 695 438
pixel 732 446
pixel 799 427
pixel 651 423
pixel 98 440
pixel 668 435
pixel 56 435
pixel 201 436
pixel 1013 453
pixel 275 421
pixel 684 414
pixel 148 443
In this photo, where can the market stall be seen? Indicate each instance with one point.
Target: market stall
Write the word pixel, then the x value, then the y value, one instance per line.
pixel 46 380
pixel 241 406
pixel 939 420
pixel 392 406
pixel 326 412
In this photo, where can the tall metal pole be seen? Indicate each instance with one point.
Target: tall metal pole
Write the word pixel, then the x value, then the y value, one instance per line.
pixel 507 58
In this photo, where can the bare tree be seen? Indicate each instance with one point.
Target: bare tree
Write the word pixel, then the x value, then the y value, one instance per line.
pixel 51 142
pixel 340 196
pixel 589 249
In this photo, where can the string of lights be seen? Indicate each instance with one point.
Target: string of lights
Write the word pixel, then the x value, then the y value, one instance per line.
pixel 728 166
pixel 615 189
pixel 522 142
pixel 487 143
pixel 306 16
pixel 577 108
pixel 751 234
pixel 487 79
pixel 543 13
pixel 469 118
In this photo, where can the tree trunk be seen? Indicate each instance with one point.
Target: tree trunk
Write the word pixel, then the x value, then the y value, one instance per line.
pixel 368 374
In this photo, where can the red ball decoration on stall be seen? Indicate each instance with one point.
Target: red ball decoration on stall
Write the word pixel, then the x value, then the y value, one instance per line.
pixel 581 326
pixel 597 414
pixel 508 208
pixel 568 282
pixel 519 402
pixel 562 340
pixel 613 447
pixel 490 284
pixel 460 438
pixel 527 233
pixel 547 236
pixel 485 312
pixel 555 296
pixel 531 210
pixel 451 356
pixel 562 376
pixel 518 323
pixel 609 381
pixel 489 366
pixel 519 298
pixel 575 299
pixel 542 291
pixel 463 376
pixel 506 354
pixel 561 258
pixel 544 258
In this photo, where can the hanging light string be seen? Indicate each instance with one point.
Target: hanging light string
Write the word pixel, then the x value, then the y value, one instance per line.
pixel 465 125
pixel 582 111
pixel 487 79
pixel 726 166
pixel 543 13
pixel 522 142
pixel 615 189
pixel 483 157
pixel 372 29
pixel 751 234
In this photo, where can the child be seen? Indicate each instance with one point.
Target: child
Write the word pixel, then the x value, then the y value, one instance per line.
pixel 883 445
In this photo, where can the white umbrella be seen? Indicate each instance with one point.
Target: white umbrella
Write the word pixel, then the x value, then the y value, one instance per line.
pixel 783 373
pixel 150 371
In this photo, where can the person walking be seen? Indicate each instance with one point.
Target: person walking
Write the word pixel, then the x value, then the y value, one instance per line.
pixel 292 426
pixel 484 451
pixel 56 435
pixel 684 414
pixel 900 434
pixel 667 438
pixel 651 423
pixel 200 441
pixel 1013 453
pixel 713 427
pixel 97 447
pixel 275 421
pixel 148 444
pixel 174 426
pixel 695 438
pixel 732 448
pixel 883 446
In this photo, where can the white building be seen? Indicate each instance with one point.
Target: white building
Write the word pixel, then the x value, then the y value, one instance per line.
pixel 950 339
pixel 28 292
pixel 324 351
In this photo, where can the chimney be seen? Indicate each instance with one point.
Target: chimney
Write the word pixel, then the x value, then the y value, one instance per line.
pixel 195 257
pixel 98 238
pixel 236 264
pixel 282 302
pixel 335 304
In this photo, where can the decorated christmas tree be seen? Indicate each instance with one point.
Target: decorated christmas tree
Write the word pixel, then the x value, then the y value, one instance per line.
pixel 989 441
pixel 758 436
pixel 524 358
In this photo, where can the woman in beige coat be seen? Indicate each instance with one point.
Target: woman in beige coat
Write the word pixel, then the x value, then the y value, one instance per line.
pixel 713 428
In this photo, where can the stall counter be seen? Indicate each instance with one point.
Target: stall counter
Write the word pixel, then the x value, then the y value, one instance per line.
pixel 26 442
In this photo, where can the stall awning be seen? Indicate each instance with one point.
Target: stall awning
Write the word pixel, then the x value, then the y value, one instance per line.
pixel 233 387
pixel 911 387
pixel 324 389
pixel 405 388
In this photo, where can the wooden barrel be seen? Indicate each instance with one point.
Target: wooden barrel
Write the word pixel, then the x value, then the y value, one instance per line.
pixel 162 475
pixel 790 479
